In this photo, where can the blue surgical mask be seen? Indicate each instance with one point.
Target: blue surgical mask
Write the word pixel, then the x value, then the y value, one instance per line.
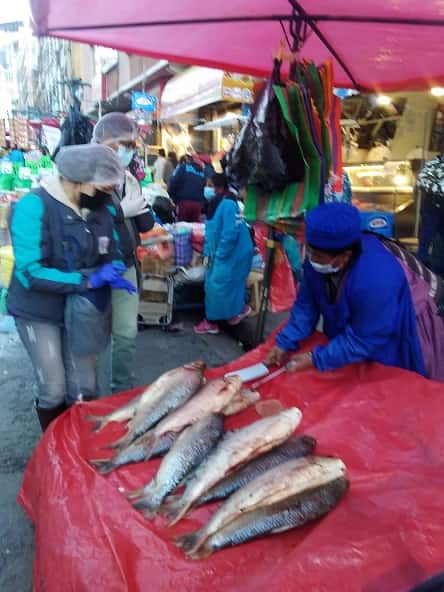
pixel 125 155
pixel 326 269
pixel 209 193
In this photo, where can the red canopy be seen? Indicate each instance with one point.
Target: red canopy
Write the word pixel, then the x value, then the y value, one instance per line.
pixel 381 45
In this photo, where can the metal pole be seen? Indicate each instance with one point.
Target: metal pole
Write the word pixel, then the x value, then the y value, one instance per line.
pixel 266 284
pixel 418 191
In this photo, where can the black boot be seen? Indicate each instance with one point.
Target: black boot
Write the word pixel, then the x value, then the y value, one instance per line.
pixel 47 415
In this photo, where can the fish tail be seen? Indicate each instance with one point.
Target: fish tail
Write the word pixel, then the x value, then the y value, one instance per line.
pixel 98 420
pixel 119 444
pixel 104 466
pixel 188 542
pixel 149 444
pixel 176 511
pixel 170 500
pixel 200 552
pixel 147 506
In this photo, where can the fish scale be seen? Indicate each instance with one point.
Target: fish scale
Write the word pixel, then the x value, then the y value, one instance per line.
pixel 138 451
pixel 169 392
pixel 291 513
pixel 293 448
pixel 287 479
pixel 192 446
pixel 236 448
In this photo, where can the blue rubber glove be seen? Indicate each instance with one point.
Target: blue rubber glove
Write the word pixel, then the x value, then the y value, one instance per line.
pixel 121 283
pixel 105 275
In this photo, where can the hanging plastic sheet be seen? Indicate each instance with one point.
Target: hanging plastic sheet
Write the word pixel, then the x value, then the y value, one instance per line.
pixel 385 536
pixel 308 111
pixel 266 154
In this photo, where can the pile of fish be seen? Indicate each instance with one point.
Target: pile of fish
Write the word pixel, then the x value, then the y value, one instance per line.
pixel 268 478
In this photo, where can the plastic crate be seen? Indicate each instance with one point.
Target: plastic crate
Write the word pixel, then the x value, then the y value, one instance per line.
pixel 157 267
pixel 156 300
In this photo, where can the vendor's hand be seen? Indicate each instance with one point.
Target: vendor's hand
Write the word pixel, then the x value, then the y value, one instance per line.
pixel 300 362
pixel 206 262
pixel 276 356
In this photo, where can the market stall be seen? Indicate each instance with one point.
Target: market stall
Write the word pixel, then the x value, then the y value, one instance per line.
pixel 385 423
pixel 385 536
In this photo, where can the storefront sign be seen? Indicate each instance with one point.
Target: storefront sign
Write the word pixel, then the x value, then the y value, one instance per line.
pixel 144 102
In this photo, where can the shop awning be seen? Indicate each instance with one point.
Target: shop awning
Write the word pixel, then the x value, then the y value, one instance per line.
pixel 382 45
pixel 229 120
pixel 197 87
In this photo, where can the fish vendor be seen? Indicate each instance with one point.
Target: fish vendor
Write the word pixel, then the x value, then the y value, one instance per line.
pixel 376 300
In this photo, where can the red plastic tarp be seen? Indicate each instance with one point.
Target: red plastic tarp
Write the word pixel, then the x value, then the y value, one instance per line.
pixel 377 41
pixel 385 536
pixel 283 287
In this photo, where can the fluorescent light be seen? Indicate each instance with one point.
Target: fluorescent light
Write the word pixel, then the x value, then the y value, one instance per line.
pixel 401 180
pixel 383 100
pixel 437 91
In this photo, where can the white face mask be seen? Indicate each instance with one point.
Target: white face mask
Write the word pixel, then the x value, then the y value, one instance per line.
pixel 125 155
pixel 327 268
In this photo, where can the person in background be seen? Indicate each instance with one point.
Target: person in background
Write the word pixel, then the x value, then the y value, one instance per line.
pixel 136 168
pixel 186 190
pixel 208 165
pixel 170 167
pixel 228 250
pixel 346 195
pixel 159 167
pixel 64 266
pixel 119 132
pixel 431 232
pixel 374 304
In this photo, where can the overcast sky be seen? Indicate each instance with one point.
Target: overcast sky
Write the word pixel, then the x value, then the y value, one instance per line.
pixel 14 10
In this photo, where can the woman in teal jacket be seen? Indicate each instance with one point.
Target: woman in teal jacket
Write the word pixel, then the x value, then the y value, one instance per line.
pixel 229 251
pixel 65 265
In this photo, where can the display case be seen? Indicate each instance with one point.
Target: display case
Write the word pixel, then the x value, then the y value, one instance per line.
pixel 386 187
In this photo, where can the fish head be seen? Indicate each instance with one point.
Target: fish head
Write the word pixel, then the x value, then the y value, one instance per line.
pixel 251 395
pixel 233 383
pixel 293 415
pixel 331 463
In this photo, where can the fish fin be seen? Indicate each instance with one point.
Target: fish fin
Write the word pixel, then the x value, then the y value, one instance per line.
pixel 135 494
pixel 99 422
pixel 104 466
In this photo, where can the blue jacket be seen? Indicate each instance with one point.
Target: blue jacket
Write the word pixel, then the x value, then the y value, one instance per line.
pixel 55 252
pixel 373 318
pixel 229 247
pixel 187 183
